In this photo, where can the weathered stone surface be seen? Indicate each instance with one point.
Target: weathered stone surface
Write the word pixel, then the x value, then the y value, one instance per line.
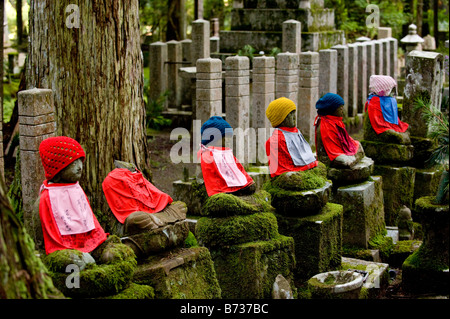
pixel 426 270
pixel 158 240
pixel 426 182
pixel 248 271
pixel 388 153
pixel 200 40
pixel 353 70
pixel 328 71
pixel 398 189
pixel 363 211
pixel 282 289
pixel 158 69
pixel 342 73
pixel 292 37
pixel 180 274
pixel 424 78
pixel 318 240
pixel 300 203
pixel 35 102
pixel 357 174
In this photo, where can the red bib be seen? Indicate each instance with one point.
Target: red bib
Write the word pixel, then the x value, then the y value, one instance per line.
pixel 128 192
pixel 377 120
pixel 53 240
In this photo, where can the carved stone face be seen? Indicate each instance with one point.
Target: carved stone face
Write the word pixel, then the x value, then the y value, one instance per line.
pixel 339 112
pixel 71 173
pixel 289 121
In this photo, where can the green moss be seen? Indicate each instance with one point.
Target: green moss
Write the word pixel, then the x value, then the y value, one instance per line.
pixel 134 291
pixel 15 190
pixel 224 231
pixel 384 245
pixel 96 279
pixel 424 259
pixel 199 191
pixel 248 271
pixel 302 180
pixel 428 203
pixel 220 205
pixel 190 241
pixel 387 153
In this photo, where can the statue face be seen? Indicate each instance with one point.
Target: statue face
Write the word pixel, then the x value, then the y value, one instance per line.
pixel 289 121
pixel 71 173
pixel 339 112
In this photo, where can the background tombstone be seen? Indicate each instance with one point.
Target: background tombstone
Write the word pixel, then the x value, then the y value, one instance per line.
pixel 292 36
pixel 174 55
pixel 328 71
pixel 425 78
pixel 36 123
pixel 362 76
pixel 308 94
pixel 208 89
pixel 352 79
pixel 378 57
pixel 200 40
pixel 158 70
pixel 384 32
pixel 342 73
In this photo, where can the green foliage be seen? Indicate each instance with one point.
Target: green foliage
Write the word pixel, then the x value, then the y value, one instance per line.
pixel 247 51
pixel 154 118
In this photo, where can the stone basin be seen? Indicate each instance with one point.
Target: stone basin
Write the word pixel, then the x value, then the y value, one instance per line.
pixel 336 285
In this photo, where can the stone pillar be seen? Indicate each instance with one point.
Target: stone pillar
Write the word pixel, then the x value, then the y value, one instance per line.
pixel 352 80
pixel 362 76
pixel 208 89
pixel 308 94
pixel 186 51
pixel 214 43
pixel 386 57
pixel 200 40
pixel 187 83
pixel 328 71
pixel 384 32
pixel 36 123
pixel 174 55
pixel 158 70
pixel 237 103
pixel 263 92
pixel 215 27
pixel 370 62
pixel 425 77
pixel 393 48
pixel 378 57
pixel 287 76
pixel 342 73
pixel 292 36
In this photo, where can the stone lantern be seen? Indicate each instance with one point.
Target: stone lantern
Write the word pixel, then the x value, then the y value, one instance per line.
pixel 412 41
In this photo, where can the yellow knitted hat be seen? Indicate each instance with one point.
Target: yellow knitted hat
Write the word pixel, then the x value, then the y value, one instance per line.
pixel 278 110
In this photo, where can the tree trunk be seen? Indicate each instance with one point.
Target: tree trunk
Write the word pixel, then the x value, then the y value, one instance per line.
pixel 94 66
pixel 19 22
pixel 22 273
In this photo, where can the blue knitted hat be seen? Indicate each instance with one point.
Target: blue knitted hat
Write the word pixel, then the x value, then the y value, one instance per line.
pixel 329 103
pixel 210 126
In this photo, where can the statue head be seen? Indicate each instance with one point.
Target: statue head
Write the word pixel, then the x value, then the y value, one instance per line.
pixel 330 104
pixel 62 158
pixel 215 130
pixel 281 113
pixel 381 85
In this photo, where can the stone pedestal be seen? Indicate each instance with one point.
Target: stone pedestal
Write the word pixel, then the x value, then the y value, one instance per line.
pixel 388 153
pixel 426 270
pixel 363 211
pixel 241 233
pixel 318 240
pixel 357 174
pixel 184 273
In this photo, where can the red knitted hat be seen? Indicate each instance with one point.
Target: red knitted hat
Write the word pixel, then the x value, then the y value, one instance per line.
pixel 59 152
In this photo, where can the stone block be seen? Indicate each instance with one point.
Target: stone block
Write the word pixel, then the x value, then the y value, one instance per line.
pixel 205 109
pixel 398 190
pixel 191 193
pixel 180 274
pixel 237 63
pixel 384 32
pixel 158 69
pixel 248 271
pixel 362 76
pixel 38 119
pixel 310 57
pixel 212 84
pixel 307 98
pixel 300 203
pixel 241 80
pixel 35 102
pixel 378 57
pixel 209 65
pixel 328 71
pixel 37 130
pixel 234 230
pixel 357 174
pixel 200 40
pixel 263 62
pixel 317 238
pixel 423 150
pixel 208 94
pixel 342 73
pixel 292 37
pixel 353 69
pixel 31 143
pixel 311 82
pixel 232 90
pixel 363 211
pixel 287 61
pixel 426 182
pixel 263 87
pixel 388 153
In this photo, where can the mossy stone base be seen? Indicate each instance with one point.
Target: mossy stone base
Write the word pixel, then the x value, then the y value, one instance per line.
pixel 233 230
pixel 398 190
pixel 300 203
pixel 191 193
pixel 318 240
pixel 183 273
pixel 402 250
pixel 426 270
pixel 363 211
pixel 426 182
pixel 388 153
pixel 159 239
pixel 222 204
pixel 248 271
pixel 95 280
pixel 423 148
pixel 357 174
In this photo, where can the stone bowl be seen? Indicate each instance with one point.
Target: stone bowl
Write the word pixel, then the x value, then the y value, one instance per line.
pixel 336 285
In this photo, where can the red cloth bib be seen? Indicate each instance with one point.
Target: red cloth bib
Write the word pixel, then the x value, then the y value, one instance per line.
pixel 128 192
pixel 280 161
pixel 53 240
pixel 377 120
pixel 214 182
pixel 335 138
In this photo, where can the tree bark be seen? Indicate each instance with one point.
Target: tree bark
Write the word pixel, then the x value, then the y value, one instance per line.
pixel 95 69
pixel 22 273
